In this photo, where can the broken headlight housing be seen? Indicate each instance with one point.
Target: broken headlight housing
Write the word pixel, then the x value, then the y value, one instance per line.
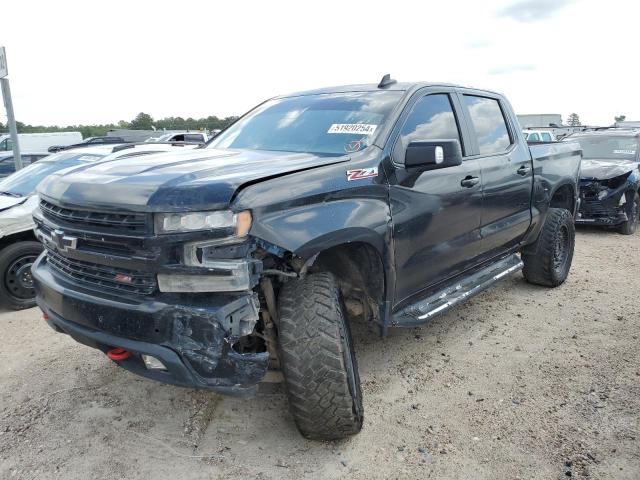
pixel 198 221
pixel 226 276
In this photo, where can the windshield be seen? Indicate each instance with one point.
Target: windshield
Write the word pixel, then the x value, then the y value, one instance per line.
pixel 25 181
pixel 327 124
pixel 607 147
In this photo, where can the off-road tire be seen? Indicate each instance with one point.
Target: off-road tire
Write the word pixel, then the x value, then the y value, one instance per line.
pixel 547 262
pixel 317 357
pixel 633 210
pixel 15 259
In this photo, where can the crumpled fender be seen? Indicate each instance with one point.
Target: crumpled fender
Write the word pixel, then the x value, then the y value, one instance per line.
pixel 18 218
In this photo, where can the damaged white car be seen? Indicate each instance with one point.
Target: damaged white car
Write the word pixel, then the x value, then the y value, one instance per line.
pixel 18 245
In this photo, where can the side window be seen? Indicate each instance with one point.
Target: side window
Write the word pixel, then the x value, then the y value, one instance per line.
pixel 6 145
pixel 489 124
pixel 431 118
pixel 193 137
pixel 533 138
pixel 546 137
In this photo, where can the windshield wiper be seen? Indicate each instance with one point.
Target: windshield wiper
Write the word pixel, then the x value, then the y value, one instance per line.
pixel 11 194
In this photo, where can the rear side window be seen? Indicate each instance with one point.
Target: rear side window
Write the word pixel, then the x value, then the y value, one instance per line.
pixel 546 137
pixel 533 137
pixel 489 124
pixel 431 118
pixel 193 137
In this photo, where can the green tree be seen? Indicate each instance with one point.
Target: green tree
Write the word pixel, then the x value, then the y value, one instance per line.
pixel 620 118
pixel 143 121
pixel 574 120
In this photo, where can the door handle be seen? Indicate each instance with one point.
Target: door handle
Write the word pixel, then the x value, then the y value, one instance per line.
pixel 523 170
pixel 469 181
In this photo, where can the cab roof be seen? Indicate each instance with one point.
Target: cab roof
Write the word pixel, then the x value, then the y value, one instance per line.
pixel 373 87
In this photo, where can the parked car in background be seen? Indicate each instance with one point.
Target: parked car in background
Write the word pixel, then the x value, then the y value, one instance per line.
pixel 18 245
pixel 8 165
pixel 90 141
pixel 189 137
pixel 39 142
pixel 538 136
pixel 610 178
pixel 390 203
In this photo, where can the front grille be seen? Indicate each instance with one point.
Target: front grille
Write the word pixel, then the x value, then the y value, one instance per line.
pixel 126 223
pixel 92 275
pixel 596 207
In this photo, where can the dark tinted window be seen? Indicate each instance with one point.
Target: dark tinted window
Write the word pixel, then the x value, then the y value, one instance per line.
pixel 431 118
pixel 489 124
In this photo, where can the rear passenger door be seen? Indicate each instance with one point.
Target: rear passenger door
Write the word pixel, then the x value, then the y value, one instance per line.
pixel 507 175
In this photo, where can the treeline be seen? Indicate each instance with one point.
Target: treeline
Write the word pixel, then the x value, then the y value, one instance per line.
pixel 143 121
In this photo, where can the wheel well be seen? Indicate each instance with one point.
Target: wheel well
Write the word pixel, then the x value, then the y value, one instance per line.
pixel 27 235
pixel 359 271
pixel 563 198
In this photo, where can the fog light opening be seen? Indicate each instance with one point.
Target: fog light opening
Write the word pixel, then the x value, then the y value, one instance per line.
pixel 152 363
pixel 249 344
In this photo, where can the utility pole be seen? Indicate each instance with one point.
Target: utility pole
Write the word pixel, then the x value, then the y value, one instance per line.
pixel 8 104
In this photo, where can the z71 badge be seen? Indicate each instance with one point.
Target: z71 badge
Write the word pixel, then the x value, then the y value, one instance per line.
pixel 362 173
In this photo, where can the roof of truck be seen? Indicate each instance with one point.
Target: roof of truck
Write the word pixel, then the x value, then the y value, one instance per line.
pixel 373 87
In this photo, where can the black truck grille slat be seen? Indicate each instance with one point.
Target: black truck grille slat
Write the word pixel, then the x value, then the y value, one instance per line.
pixel 93 275
pixel 595 207
pixel 118 222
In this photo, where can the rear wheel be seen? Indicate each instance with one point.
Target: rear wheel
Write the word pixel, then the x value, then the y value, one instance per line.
pixel 16 287
pixel 548 261
pixel 633 211
pixel 318 360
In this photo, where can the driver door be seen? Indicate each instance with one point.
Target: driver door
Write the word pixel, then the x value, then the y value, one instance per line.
pixel 436 214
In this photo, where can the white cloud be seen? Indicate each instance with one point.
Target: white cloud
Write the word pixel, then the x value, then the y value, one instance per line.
pixel 72 62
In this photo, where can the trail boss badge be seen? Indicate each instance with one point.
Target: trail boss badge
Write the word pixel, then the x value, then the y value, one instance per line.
pixel 362 173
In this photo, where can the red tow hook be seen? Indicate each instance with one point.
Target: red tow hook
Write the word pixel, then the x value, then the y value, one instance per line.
pixel 118 354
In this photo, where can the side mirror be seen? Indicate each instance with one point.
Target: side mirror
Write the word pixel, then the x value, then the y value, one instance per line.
pixel 432 154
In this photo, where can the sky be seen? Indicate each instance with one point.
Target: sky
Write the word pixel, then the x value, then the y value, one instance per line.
pixel 100 62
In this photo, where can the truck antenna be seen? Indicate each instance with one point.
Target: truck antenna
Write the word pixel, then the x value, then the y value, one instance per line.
pixel 386 81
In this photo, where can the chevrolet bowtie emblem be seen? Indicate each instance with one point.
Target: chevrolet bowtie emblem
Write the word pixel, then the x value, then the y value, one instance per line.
pixel 63 242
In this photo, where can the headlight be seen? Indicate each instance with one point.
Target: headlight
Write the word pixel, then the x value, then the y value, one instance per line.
pixel 195 221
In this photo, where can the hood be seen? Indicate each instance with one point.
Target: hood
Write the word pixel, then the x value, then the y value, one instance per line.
pixel 594 169
pixel 7 202
pixel 201 179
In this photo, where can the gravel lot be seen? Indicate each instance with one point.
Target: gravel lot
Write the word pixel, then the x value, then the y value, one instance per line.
pixel 521 382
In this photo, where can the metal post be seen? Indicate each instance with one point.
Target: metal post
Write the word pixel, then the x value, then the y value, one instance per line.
pixel 11 120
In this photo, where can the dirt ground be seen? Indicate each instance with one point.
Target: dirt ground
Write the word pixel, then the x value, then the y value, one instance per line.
pixel 521 382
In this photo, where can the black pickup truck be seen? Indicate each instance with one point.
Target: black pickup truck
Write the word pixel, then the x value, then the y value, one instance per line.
pixel 386 203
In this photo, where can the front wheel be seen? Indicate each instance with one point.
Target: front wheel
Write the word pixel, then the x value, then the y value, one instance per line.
pixel 318 361
pixel 16 285
pixel 547 262
pixel 633 211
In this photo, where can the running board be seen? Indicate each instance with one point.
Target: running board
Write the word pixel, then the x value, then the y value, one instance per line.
pixel 427 308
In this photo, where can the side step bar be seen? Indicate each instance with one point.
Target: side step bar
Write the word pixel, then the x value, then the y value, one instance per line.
pixel 427 308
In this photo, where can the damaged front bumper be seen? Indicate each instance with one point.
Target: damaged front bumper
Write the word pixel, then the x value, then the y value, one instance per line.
pixel 193 336
pixel 601 205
